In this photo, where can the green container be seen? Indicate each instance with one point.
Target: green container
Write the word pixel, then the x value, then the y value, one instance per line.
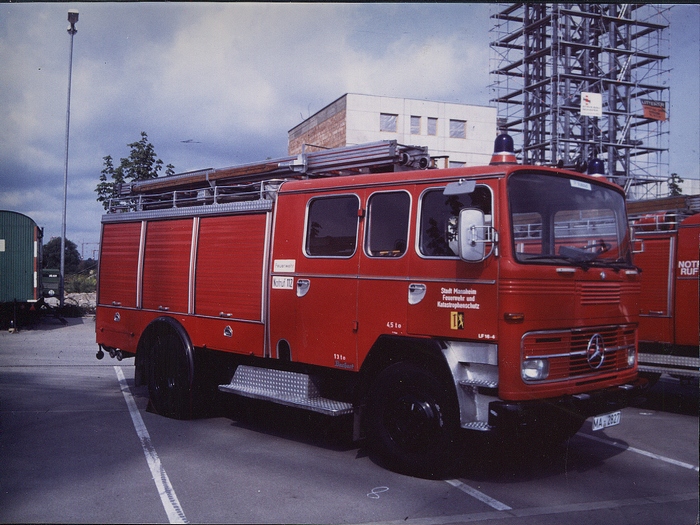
pixel 20 258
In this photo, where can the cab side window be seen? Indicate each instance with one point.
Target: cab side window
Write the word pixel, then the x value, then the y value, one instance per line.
pixel 331 226
pixel 387 224
pixel 439 213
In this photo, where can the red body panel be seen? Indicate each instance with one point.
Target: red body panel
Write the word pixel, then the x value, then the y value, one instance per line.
pixel 687 273
pixel 656 303
pixel 166 265
pixel 669 299
pixel 229 275
pixel 221 281
pixel 119 261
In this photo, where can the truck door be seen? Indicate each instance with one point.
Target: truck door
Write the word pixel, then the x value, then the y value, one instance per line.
pixel 382 292
pixel 313 291
pixel 446 296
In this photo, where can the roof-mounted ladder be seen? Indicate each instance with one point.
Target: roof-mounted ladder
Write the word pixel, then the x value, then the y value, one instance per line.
pixel 255 180
pixel 365 158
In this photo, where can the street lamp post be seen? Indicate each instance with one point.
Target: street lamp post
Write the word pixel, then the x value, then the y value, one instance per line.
pixel 72 19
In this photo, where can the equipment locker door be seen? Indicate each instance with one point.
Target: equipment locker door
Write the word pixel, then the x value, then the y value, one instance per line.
pixel 687 274
pixel 655 304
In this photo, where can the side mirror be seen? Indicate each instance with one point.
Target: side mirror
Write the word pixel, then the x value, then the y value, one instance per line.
pixel 471 236
pixel 636 248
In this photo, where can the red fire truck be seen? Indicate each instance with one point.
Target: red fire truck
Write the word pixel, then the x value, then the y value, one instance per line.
pixel 667 235
pixel 500 298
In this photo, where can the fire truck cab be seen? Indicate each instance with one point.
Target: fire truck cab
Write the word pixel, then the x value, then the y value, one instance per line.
pixel 424 302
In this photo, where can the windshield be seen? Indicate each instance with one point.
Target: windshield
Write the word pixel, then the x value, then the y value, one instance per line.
pixel 561 220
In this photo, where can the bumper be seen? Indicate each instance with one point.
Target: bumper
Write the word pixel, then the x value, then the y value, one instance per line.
pixel 515 416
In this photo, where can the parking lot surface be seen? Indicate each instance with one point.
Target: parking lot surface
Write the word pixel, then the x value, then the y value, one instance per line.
pixel 78 444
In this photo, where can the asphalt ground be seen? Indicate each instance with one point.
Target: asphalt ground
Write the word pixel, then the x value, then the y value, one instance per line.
pixel 79 445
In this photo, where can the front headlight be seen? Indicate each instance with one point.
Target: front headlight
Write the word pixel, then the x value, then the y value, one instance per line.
pixel 535 369
pixel 631 357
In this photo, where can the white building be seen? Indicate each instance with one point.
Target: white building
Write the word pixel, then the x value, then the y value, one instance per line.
pixel 461 134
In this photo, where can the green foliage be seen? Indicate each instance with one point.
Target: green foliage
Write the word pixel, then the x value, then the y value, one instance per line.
pixel 674 185
pixel 81 283
pixel 141 164
pixel 52 255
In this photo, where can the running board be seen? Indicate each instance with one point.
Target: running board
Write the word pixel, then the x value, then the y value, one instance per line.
pixel 285 388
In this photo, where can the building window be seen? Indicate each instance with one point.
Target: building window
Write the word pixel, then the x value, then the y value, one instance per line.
pixel 458 129
pixel 331 229
pixel 387 122
pixel 415 125
pixel 457 164
pixel 387 219
pixel 432 126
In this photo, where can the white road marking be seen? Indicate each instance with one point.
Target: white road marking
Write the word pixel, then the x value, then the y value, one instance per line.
pixel 640 451
pixel 165 489
pixel 478 495
pixel 543 511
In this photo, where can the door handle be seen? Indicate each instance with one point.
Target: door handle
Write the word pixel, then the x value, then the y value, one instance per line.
pixel 302 287
pixel 416 292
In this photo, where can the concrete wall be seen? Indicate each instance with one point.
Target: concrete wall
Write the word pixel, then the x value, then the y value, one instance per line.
pixel 355 119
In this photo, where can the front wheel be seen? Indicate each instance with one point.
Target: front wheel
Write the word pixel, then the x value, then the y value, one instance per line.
pixel 413 421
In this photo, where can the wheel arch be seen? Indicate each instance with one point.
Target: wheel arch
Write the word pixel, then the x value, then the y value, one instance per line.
pixel 143 347
pixel 388 350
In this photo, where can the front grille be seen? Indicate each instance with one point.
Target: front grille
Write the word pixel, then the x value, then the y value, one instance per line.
pixel 592 293
pixel 569 355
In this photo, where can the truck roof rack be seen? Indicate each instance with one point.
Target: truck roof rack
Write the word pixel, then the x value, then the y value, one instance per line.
pixel 257 179
pixel 664 214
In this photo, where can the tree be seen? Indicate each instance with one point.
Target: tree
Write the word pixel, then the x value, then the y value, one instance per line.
pixel 141 164
pixel 52 255
pixel 674 185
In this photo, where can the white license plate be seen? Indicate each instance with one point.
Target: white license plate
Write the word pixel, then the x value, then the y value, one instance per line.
pixel 606 420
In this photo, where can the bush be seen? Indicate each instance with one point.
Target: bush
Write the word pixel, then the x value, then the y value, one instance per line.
pixel 80 283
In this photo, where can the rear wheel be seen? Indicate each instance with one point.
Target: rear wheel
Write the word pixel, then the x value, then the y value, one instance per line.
pixel 413 421
pixel 170 370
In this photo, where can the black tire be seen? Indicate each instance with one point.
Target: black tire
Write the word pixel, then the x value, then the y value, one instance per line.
pixel 170 370
pixel 413 421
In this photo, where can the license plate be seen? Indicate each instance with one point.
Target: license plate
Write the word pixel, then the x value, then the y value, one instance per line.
pixel 606 420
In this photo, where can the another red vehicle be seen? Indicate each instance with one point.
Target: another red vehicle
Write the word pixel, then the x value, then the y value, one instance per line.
pixel 500 298
pixel 668 244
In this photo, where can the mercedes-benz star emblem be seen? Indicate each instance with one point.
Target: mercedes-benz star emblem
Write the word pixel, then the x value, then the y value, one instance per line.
pixel 595 353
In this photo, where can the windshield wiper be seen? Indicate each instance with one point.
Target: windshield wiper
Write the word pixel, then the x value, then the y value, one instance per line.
pixel 617 264
pixel 575 261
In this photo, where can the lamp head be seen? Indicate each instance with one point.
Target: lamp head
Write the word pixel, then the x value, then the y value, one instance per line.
pixel 72 19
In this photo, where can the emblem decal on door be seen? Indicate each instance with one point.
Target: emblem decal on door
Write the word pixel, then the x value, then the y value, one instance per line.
pixel 457 320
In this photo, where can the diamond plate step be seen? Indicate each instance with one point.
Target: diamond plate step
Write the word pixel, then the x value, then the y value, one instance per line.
pixel 680 365
pixel 477 425
pixel 478 382
pixel 283 387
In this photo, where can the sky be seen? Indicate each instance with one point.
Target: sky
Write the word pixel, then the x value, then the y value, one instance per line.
pixel 220 84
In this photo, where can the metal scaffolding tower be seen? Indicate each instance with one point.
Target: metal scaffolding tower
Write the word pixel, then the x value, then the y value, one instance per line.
pixel 578 81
